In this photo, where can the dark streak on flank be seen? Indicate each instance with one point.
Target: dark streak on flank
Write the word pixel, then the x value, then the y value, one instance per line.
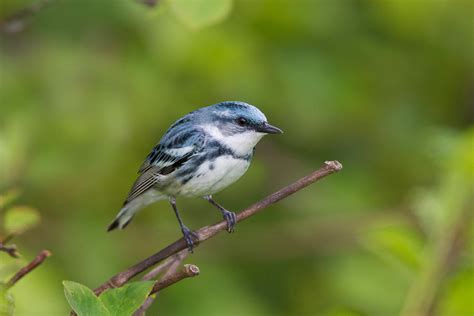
pixel 186 179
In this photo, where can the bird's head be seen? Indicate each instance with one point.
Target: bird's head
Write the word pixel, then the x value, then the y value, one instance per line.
pixel 237 124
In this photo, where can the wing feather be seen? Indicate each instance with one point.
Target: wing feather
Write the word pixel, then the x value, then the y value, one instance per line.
pixel 170 154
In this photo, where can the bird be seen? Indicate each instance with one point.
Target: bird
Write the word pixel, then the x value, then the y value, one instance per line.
pixel 199 155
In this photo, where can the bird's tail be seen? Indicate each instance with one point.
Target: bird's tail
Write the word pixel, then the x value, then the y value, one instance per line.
pixel 126 213
pixel 123 218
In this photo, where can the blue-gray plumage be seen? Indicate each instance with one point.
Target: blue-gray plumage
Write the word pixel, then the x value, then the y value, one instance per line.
pixel 201 153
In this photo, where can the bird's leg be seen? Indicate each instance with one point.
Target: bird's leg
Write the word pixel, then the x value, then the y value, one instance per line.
pixel 229 216
pixel 187 233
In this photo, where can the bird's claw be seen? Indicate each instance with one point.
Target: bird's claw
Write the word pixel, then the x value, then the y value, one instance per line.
pixel 189 235
pixel 231 219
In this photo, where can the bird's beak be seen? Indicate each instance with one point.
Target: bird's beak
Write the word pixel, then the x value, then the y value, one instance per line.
pixel 268 129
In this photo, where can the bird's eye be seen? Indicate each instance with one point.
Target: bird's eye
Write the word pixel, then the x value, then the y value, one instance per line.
pixel 241 121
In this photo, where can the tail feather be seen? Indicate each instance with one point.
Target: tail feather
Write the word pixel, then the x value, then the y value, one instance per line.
pixel 128 211
pixel 117 223
pixel 123 218
pixel 113 225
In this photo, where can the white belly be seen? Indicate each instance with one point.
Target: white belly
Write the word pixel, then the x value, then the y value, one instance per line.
pixel 214 176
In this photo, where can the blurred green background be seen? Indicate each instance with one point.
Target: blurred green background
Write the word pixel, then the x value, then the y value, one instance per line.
pixel 386 87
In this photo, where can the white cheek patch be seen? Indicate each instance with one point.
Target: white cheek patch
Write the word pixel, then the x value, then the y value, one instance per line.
pixel 240 143
pixel 243 143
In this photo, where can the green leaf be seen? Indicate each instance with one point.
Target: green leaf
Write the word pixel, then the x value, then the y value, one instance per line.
pixel 20 218
pixel 398 245
pixel 125 300
pixel 83 301
pixel 197 14
pixel 457 297
pixel 7 304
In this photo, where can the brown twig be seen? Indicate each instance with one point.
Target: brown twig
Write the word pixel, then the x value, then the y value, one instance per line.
pixel 170 265
pixel 207 232
pixel 28 268
pixel 11 250
pixel 189 270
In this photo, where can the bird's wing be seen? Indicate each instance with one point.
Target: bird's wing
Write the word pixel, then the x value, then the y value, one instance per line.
pixel 175 148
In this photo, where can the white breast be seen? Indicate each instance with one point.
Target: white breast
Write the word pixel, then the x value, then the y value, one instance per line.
pixel 211 177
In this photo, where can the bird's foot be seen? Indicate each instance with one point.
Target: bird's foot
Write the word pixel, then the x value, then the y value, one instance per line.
pixel 231 220
pixel 189 235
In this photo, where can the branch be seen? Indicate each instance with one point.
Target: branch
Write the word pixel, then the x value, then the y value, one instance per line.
pixel 189 270
pixel 28 268
pixel 170 265
pixel 207 232
pixel 11 250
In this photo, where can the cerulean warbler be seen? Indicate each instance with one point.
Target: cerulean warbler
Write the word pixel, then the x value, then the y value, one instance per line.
pixel 201 153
